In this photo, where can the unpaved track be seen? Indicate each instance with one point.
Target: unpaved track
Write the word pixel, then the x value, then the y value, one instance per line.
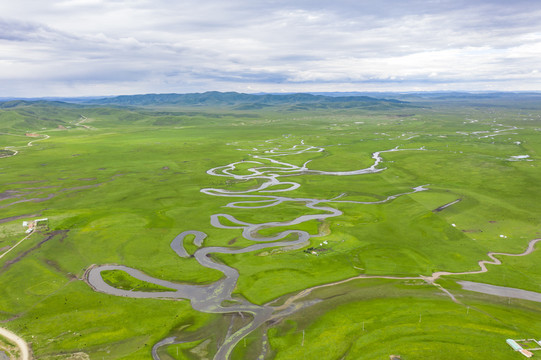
pixel 30 143
pixel 45 137
pixel 23 346
pixel 17 244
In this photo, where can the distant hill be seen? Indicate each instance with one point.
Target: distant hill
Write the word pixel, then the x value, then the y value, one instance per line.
pixel 242 101
pixel 524 99
pixel 22 103
pixel 25 115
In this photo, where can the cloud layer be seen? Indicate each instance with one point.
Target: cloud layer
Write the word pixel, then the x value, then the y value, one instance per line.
pixel 99 47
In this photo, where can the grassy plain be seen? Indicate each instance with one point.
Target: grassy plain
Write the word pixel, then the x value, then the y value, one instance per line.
pixel 119 191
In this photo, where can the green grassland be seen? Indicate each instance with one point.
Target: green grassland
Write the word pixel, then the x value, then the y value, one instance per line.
pixel 119 191
pixel 124 281
pixel 373 319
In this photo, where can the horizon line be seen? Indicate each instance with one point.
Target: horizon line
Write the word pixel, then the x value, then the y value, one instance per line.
pixel 45 97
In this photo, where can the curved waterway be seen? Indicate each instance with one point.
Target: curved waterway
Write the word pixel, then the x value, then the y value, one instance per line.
pixel 210 298
pixel 270 173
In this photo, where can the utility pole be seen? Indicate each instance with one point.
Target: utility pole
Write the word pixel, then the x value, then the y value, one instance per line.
pixel 302 338
pixel 420 317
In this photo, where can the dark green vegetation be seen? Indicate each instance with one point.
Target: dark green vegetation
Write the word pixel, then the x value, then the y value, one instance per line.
pixel 241 101
pixel 118 184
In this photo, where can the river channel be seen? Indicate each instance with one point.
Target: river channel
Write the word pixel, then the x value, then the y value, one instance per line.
pixel 209 298
pixel 272 175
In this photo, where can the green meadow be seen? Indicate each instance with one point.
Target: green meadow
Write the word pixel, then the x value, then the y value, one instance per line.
pixel 119 190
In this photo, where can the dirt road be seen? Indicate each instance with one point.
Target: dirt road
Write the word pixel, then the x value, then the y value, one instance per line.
pixel 17 244
pixel 23 346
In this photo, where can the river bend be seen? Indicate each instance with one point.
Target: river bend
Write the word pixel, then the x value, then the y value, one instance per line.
pixel 270 172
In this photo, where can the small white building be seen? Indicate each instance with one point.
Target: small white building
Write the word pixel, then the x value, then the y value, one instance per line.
pixel 33 224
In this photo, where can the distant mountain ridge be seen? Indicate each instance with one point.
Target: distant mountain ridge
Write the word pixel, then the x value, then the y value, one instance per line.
pixel 245 100
pixel 20 103
pixel 269 99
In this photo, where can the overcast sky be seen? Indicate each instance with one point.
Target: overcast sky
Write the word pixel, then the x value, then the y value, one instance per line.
pixel 108 47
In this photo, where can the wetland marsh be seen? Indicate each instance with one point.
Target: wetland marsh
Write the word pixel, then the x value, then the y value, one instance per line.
pixel 271 234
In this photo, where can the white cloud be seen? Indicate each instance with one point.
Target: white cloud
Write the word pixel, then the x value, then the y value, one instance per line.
pixel 161 46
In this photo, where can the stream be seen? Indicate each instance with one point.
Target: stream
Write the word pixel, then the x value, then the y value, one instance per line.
pixel 270 172
pixel 209 298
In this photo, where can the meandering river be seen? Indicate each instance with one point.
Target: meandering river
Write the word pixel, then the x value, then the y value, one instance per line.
pixel 270 173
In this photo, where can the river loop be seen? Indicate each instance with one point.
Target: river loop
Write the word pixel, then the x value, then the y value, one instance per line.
pixel 271 174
